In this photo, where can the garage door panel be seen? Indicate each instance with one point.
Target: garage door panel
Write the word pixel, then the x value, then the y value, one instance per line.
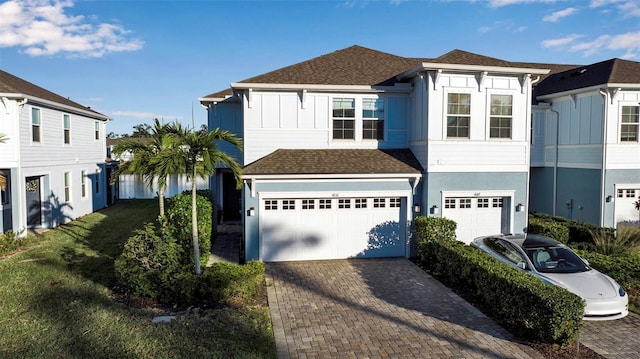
pixel 474 216
pixel 331 229
pixel 625 209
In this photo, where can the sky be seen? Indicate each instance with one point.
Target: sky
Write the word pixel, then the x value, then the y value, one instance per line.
pixel 139 60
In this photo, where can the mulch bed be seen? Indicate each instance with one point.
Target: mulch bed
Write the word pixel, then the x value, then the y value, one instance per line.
pixel 552 351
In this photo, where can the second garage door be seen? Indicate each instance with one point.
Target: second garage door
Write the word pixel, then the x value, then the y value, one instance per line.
pixel 475 216
pixel 331 228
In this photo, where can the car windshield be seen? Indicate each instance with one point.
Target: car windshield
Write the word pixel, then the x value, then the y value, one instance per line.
pixel 556 260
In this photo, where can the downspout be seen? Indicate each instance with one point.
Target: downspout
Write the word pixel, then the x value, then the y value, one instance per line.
pixel 604 156
pixel 555 165
pixel 528 155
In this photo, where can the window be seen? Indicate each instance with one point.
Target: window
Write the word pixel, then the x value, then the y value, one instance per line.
pixel 35 124
pixel 288 204
pixel 620 193
pixel 483 202
pixel 271 205
pixel 96 127
pixel 67 187
pixel 449 203
pixel 308 204
pixel 5 191
pixel 361 203
pixel 497 202
pixel 83 181
pixel 97 181
pixel 344 112
pixel 630 122
pixel 394 202
pixel 66 123
pixel 501 114
pixel 465 203
pixel 458 115
pixel 324 204
pixel 344 203
pixel 379 202
pixel 372 119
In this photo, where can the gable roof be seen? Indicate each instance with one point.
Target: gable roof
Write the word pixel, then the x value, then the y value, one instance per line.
pixel 13 85
pixel 335 161
pixel 609 72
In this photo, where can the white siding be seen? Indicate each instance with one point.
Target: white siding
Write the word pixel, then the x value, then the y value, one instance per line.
pixel 461 156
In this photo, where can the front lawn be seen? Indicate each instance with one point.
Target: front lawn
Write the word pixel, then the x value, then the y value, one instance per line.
pixel 56 301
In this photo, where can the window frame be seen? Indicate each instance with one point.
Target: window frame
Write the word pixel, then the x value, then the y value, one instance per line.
pixel 96 129
pixel 457 116
pixel 635 124
pixel 67 187
pixel 378 119
pixel 83 183
pixel 343 119
pixel 66 129
pixel 36 128
pixel 500 116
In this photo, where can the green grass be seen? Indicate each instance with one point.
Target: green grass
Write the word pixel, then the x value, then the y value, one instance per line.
pixel 55 302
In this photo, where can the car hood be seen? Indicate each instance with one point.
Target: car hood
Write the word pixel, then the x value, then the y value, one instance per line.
pixel 588 285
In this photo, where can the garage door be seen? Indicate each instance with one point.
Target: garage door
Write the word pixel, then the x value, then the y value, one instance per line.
pixel 331 228
pixel 475 216
pixel 625 204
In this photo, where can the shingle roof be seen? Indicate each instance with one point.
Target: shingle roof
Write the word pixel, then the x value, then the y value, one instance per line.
pixel 611 71
pixel 13 84
pixel 335 161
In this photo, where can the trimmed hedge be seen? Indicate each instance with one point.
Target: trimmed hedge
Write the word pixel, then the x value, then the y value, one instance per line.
pixel 231 284
pixel 432 228
pixel 624 268
pixel 577 232
pixel 178 215
pixel 548 227
pixel 522 303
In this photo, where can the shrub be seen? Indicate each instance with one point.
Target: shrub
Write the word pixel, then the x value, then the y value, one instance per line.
pixel 626 238
pixel 179 224
pixel 520 302
pixel 11 241
pixel 427 229
pixel 231 284
pixel 206 193
pixel 548 227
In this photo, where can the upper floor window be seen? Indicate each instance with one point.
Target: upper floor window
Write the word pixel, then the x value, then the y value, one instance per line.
pixel 35 124
pixel 458 115
pixel 501 115
pixel 97 130
pixel 372 119
pixel 66 123
pixel 344 112
pixel 630 121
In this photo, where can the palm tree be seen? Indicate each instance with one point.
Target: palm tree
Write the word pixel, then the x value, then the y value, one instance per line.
pixel 200 157
pixel 636 204
pixel 145 155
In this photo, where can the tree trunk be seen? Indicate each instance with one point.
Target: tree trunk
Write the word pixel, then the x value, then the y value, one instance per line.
pixel 161 202
pixel 194 224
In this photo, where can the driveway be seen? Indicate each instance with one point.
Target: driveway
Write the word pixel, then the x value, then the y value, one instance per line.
pixel 382 308
pixel 613 338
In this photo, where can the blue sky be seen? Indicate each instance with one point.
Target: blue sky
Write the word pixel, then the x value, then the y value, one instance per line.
pixel 138 60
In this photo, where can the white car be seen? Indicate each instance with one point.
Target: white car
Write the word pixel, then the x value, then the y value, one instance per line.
pixel 557 264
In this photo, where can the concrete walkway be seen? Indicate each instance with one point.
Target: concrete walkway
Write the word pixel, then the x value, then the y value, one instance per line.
pixel 382 308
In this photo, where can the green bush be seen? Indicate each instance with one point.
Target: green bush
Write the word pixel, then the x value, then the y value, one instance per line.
pixel 206 193
pixel 232 284
pixel 522 303
pixel 623 267
pixel 10 241
pixel 178 215
pixel 427 229
pixel 548 227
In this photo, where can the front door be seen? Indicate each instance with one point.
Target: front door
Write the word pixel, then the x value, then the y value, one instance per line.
pixel 5 200
pixel 34 202
pixel 231 200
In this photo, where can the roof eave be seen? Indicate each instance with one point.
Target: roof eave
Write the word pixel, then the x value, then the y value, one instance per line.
pixel 406 88
pixel 587 89
pixel 57 105
pixel 331 176
pixel 434 66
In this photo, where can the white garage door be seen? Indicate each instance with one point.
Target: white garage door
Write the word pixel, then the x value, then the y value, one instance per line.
pixel 475 216
pixel 331 228
pixel 625 204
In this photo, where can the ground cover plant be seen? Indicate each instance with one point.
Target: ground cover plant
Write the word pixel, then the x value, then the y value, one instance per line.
pixel 57 301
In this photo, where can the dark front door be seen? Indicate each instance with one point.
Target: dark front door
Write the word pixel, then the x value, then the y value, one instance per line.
pixel 231 205
pixel 5 200
pixel 34 202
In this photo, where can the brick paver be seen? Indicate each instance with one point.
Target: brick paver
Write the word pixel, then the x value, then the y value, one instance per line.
pixel 382 308
pixel 613 338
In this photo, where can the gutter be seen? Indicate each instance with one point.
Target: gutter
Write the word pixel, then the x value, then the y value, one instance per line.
pixel 401 88
pixel 56 105
pixel 587 89
pixel 604 156
pixel 555 166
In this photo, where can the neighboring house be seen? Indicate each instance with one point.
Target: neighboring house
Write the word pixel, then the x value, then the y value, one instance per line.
pixel 134 186
pixel 342 151
pixel 53 160
pixel 585 150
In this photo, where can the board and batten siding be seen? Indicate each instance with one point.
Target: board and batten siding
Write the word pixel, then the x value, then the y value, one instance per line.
pixel 227 116
pixel 274 120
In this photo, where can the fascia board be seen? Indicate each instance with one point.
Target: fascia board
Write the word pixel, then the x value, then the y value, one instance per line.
pixel 362 176
pixel 588 89
pixel 321 88
pixel 426 66
pixel 57 105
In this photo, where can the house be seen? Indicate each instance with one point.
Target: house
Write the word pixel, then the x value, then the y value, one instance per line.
pixel 342 151
pixel 53 161
pixel 585 154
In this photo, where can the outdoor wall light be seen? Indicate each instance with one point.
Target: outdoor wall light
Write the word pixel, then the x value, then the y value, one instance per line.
pixel 435 209
pixel 519 207
pixel 609 198
pixel 251 212
pixel 417 208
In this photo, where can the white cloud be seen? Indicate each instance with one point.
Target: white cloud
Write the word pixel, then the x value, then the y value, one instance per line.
pixel 501 3
pixel 555 16
pixel 560 41
pixel 628 8
pixel 44 28
pixel 144 115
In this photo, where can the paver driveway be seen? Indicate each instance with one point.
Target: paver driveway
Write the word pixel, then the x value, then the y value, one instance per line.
pixel 382 308
pixel 614 338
